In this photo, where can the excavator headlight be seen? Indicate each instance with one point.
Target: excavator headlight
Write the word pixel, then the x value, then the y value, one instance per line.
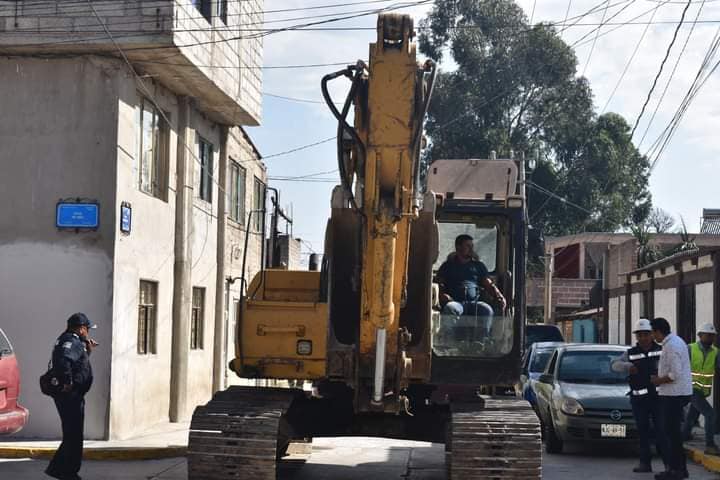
pixel 304 347
pixel 514 202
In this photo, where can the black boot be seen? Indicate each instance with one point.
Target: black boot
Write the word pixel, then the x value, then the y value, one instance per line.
pixel 643 468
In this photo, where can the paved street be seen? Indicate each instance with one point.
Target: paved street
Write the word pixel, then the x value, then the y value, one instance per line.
pixel 362 459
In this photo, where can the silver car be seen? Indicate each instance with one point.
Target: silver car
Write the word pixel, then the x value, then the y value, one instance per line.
pixel 580 399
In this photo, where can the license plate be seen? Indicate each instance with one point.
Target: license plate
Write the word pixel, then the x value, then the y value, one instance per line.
pixel 612 430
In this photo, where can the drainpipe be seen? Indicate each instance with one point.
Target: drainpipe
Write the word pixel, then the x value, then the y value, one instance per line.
pixel 221 317
pixel 182 286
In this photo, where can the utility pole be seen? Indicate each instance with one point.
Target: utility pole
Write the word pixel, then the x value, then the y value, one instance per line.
pixel 549 267
pixel 273 257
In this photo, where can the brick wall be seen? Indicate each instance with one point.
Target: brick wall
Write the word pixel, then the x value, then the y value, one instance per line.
pixel 570 293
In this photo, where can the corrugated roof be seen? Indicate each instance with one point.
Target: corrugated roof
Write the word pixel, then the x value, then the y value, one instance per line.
pixel 710 226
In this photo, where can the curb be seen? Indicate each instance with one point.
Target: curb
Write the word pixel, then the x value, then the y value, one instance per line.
pixel 710 462
pixel 118 453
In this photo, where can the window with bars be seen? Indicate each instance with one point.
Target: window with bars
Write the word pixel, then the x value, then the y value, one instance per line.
pixel 204 7
pixel 197 321
pixel 153 150
pixel 206 169
pixel 237 192
pixel 258 204
pixel 147 315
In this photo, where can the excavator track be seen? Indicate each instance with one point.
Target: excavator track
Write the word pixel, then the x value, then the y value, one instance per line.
pixel 239 434
pixel 497 439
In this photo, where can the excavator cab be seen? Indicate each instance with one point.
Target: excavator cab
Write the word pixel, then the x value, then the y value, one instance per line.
pixel 475 340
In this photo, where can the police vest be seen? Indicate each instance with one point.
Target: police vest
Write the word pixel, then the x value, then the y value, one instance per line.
pixel 647 365
pixel 703 368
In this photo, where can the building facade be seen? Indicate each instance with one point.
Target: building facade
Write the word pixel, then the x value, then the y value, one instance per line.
pixel 684 289
pixel 133 110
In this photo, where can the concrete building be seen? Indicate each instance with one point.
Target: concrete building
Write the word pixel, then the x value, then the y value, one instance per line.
pixel 582 269
pixel 128 114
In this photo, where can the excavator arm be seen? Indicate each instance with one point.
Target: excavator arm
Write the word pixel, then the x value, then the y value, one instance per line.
pixel 379 163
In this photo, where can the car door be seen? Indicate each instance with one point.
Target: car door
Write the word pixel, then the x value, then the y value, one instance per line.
pixel 522 384
pixel 544 390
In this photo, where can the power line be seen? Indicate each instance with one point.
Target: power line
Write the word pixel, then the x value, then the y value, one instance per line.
pixel 151 97
pixel 662 64
pixel 587 62
pixel 665 137
pixel 672 74
pixel 297 149
pixel 630 60
pixel 292 99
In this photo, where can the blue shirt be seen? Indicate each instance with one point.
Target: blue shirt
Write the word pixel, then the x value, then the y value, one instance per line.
pixel 462 280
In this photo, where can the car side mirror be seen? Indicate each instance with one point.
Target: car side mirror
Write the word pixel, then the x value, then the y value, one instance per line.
pixel 546 378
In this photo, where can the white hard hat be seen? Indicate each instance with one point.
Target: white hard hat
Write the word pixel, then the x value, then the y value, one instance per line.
pixel 707 328
pixel 642 325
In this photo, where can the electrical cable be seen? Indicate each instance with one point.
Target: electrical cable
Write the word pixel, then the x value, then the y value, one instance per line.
pixel 672 74
pixel 630 60
pixel 592 48
pixel 662 65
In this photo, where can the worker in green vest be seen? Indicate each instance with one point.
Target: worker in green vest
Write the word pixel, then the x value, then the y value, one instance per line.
pixel 704 362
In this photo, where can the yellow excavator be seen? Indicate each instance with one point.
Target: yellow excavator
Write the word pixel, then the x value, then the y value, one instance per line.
pixel 368 329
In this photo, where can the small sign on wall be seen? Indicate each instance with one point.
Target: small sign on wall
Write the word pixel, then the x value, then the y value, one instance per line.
pixel 125 217
pixel 77 215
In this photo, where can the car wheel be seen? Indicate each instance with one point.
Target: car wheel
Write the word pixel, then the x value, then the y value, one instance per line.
pixel 553 443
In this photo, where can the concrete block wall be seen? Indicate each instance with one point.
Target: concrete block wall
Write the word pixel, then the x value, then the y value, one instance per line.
pixel 224 72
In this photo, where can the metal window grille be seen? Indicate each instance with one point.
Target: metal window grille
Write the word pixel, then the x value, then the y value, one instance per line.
pixel 197 320
pixel 147 310
pixel 237 192
pixel 258 204
pixel 153 151
pixel 206 169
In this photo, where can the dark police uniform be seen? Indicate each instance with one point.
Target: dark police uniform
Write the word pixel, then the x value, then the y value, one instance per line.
pixel 71 365
pixel 643 395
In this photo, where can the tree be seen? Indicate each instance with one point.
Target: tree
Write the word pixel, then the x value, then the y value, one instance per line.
pixel 660 220
pixel 516 88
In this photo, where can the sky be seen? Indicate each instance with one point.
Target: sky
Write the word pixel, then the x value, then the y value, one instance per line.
pixel 624 59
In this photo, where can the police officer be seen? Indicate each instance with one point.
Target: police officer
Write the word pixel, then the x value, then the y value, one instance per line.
pixel 640 362
pixel 704 362
pixel 71 366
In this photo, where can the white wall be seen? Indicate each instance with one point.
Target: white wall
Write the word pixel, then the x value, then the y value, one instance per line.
pixel 69 280
pixel 141 383
pixel 666 306
pixel 57 131
pixel 614 314
pixel 703 304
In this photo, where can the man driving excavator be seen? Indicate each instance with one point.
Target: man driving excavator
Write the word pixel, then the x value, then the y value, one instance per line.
pixel 460 278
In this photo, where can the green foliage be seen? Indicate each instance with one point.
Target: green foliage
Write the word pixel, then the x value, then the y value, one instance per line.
pixel 516 88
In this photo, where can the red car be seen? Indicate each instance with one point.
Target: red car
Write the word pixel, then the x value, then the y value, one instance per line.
pixel 13 416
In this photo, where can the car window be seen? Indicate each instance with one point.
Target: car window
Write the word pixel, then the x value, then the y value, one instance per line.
pixel 540 360
pixel 551 367
pixel 5 347
pixel 543 333
pixel 590 367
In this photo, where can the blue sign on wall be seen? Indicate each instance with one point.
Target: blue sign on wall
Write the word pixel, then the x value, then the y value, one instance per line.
pixel 77 215
pixel 125 217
